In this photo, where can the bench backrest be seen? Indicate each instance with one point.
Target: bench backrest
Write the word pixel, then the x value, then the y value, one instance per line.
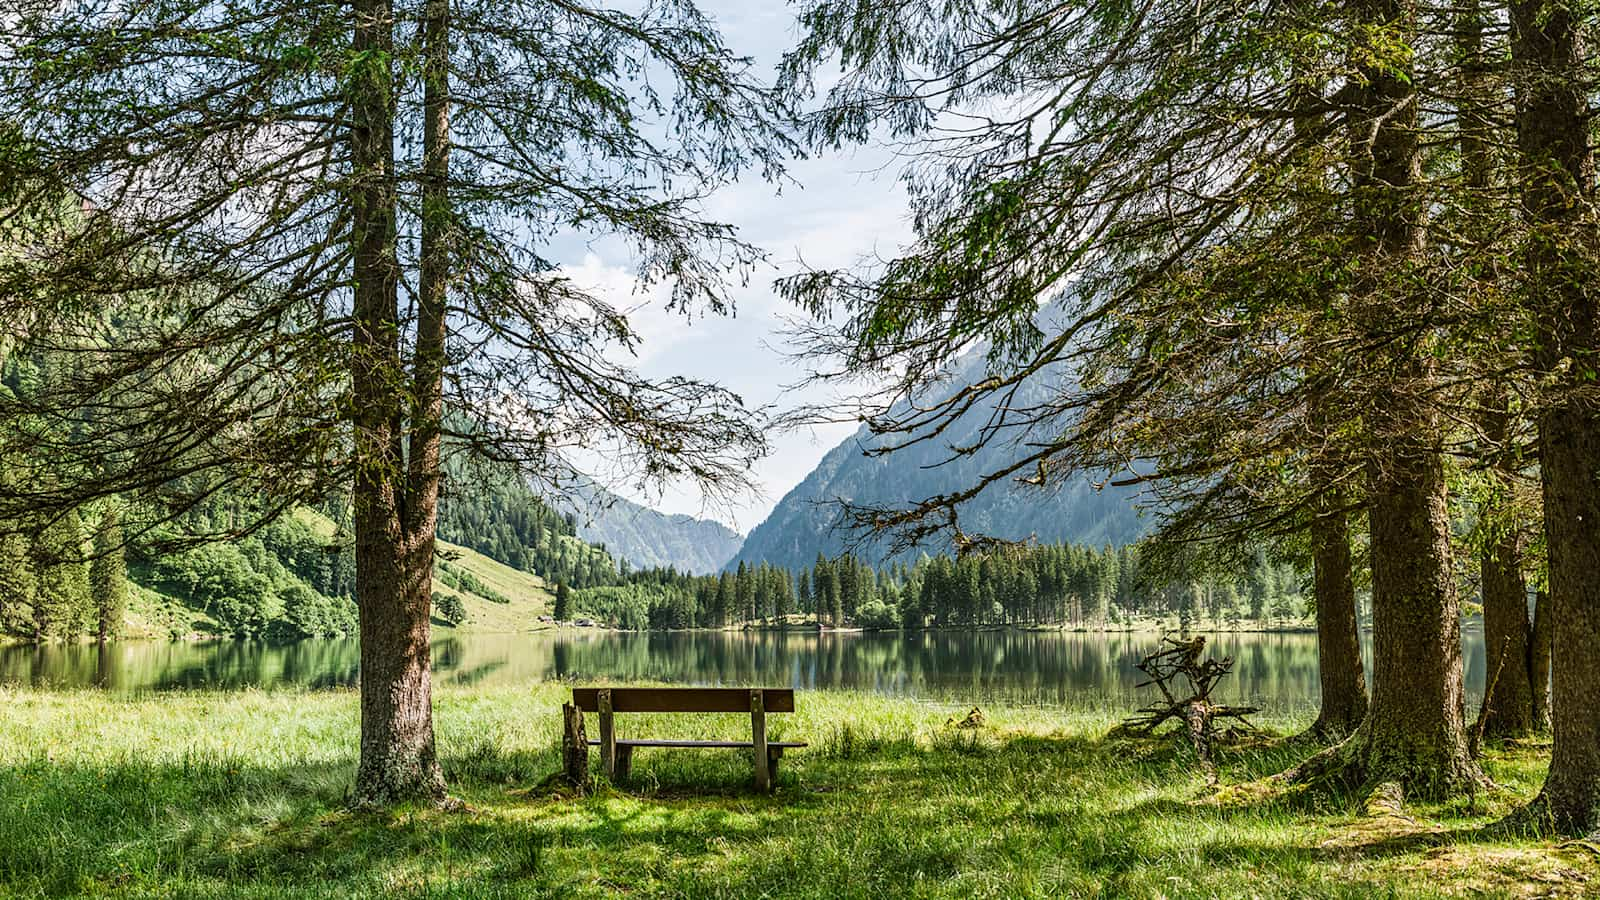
pixel 688 699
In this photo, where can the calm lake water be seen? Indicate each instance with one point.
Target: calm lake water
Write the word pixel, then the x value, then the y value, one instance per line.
pixel 1275 671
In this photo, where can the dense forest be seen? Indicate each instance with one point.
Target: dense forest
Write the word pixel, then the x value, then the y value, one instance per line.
pixel 491 510
pixel 284 576
pixel 1036 585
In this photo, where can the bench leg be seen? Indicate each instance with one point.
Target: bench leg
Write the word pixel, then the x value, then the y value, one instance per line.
pixel 624 762
pixel 774 754
pixel 608 735
pixel 758 733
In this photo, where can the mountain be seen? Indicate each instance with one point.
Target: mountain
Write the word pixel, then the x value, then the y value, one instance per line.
pixel 805 522
pixel 647 538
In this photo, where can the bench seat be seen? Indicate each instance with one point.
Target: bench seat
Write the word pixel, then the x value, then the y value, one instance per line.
pixel 624 751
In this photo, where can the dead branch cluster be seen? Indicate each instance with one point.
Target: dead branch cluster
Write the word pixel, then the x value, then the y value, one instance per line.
pixel 1178 658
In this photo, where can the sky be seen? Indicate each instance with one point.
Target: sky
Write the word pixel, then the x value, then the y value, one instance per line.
pixel 837 208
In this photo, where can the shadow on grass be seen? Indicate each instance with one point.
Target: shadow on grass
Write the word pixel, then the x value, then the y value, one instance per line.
pixel 872 814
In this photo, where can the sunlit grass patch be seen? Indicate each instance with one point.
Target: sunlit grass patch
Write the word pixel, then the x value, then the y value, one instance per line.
pixel 243 794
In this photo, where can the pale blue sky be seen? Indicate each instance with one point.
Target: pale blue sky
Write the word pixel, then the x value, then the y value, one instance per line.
pixel 843 205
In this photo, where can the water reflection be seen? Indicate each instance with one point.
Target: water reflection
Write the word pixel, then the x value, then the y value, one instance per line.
pixel 1277 671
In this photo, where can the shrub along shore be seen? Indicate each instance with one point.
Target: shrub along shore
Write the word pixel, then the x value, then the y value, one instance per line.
pixel 245 795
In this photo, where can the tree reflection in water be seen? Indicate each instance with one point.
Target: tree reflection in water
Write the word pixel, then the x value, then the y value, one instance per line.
pixel 1084 670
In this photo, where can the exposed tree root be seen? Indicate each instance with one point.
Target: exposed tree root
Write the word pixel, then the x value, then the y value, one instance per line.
pixel 1322 734
pixel 1360 764
pixel 1540 818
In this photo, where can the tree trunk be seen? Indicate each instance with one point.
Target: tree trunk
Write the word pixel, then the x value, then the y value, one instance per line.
pixel 428 364
pixel 1344 680
pixel 1556 175
pixel 1508 703
pixel 398 759
pixel 108 577
pixel 393 569
pixel 1569 447
pixel 1414 733
pixel 1339 666
pixel 1539 659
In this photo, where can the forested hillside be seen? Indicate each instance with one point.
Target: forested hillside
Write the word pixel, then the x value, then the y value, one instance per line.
pixel 807 520
pixel 82 573
pixel 495 513
pixel 291 579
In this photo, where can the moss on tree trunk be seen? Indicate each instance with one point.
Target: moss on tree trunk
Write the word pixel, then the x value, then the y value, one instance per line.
pixel 1414 732
pixel 1555 175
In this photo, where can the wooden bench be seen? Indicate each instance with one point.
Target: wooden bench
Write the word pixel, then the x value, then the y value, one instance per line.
pixel 617 755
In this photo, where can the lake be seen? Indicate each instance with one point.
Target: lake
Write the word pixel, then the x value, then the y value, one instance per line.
pixel 1083 670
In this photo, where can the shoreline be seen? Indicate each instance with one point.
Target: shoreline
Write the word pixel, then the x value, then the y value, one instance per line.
pixel 7 640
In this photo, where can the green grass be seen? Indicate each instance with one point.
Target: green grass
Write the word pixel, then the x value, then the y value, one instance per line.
pixel 243 794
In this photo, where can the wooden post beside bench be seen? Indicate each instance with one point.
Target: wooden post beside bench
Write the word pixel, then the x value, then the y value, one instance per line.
pixel 617 755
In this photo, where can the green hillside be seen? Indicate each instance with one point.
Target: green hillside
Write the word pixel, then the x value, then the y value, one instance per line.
pixel 514 599
pixel 497 597
pixel 525 594
pixel 295 577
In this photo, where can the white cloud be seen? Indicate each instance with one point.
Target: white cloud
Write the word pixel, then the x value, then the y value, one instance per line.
pixel 644 305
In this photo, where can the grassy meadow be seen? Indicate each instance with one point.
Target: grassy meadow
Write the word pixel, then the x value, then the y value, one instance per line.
pixel 201 794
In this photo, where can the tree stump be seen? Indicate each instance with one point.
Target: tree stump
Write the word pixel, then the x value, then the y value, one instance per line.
pixel 574 746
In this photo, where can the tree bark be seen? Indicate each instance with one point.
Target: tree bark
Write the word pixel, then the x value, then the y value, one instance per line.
pixel 1539 659
pixel 108 577
pixel 1556 175
pixel 1414 733
pixel 428 364
pixel 1508 703
pixel 574 746
pixel 1343 677
pixel 1507 627
pixel 1569 446
pixel 398 760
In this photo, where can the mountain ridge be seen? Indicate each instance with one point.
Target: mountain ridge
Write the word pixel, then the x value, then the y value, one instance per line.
pixel 807 520
pixel 648 538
